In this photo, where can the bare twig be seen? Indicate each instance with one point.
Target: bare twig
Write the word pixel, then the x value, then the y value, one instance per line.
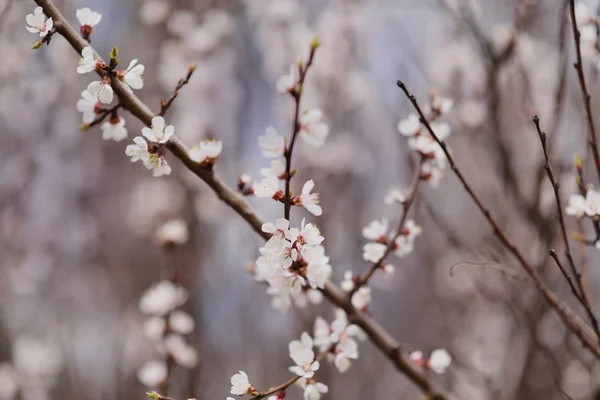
pixel 166 104
pixel 568 317
pixel 129 101
pixel 579 293
pixel 593 142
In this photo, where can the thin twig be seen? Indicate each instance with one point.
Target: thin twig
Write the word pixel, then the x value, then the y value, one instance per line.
pixel 377 334
pixel 166 104
pixel 412 192
pixel 579 292
pixel 568 317
pixel 593 142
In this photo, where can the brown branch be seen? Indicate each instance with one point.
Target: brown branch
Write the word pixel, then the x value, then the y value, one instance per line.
pixel 568 317
pixel 166 104
pixel 579 292
pixel 412 192
pixel 593 142
pixel 130 102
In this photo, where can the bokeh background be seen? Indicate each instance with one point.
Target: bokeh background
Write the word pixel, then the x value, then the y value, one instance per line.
pixel 77 219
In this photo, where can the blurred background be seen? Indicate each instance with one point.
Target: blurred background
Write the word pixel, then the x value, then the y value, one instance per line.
pixel 77 219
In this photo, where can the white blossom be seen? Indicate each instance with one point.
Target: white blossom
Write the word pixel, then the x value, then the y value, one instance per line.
pixel 272 144
pixel 361 298
pixel 162 298
pixel 577 205
pixel 376 230
pixel 133 76
pixel 139 150
pixel 373 252
pixel 287 83
pixel 114 129
pixel 410 126
pixel 183 354
pixel 102 90
pixel 87 105
pixel 268 188
pixel 276 169
pixel 87 62
pixel 158 164
pixel 280 233
pixel 394 195
pixel 312 130
pixel 314 391
pixel 181 322
pixel 154 328
pixel 592 200
pixel 310 200
pixel 152 373
pixel 87 17
pixel 348 283
pixel 157 132
pixel 174 231
pixel 38 22
pixel 302 354
pixel 240 384
pixel 439 361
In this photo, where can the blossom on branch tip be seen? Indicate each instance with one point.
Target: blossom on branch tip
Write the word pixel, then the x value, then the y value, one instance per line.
pixel 287 83
pixel 272 145
pixel 102 90
pixel 207 152
pixel 88 19
pixel 89 106
pixel 373 252
pixel 114 129
pixel 38 22
pixel 158 132
pixel 87 62
pixel 312 130
pixel 240 384
pixel 133 76
pixel 309 200
pixel 361 298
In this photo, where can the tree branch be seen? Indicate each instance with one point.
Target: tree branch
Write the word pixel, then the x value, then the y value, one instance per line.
pixel 568 317
pixel 129 101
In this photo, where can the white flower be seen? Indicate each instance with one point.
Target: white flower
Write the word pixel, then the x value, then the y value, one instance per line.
pixel 174 231
pixel 394 195
pixel 162 298
pixel 441 130
pixel 376 230
pixel 417 357
pixel 276 169
pixel 183 354
pixel 287 83
pixel 321 333
pixel 87 62
pixel 157 132
pixel 272 145
pixel 432 174
pixel 158 165
pixel 348 283
pixel 114 129
pixel 410 126
pixel 268 188
pixel 88 104
pixel 592 200
pixel 411 229
pixel 280 232
pixel 181 322
pixel 309 200
pixel 240 384
pixel 154 327
pixel 152 373
pixel 373 252
pixel 38 22
pixel 85 16
pixel 318 274
pixel 314 391
pixel 139 150
pixel 304 357
pixel 442 105
pixel 207 152
pixel 102 90
pixel 361 298
pixel 312 130
pixel 577 205
pixel 439 361
pixel 133 76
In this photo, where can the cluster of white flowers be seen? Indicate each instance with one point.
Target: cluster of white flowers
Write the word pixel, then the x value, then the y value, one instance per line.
pixel 378 232
pixel 293 263
pixel 588 206
pixel 421 141
pixel 152 157
pixel 587 22
pixel 438 361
